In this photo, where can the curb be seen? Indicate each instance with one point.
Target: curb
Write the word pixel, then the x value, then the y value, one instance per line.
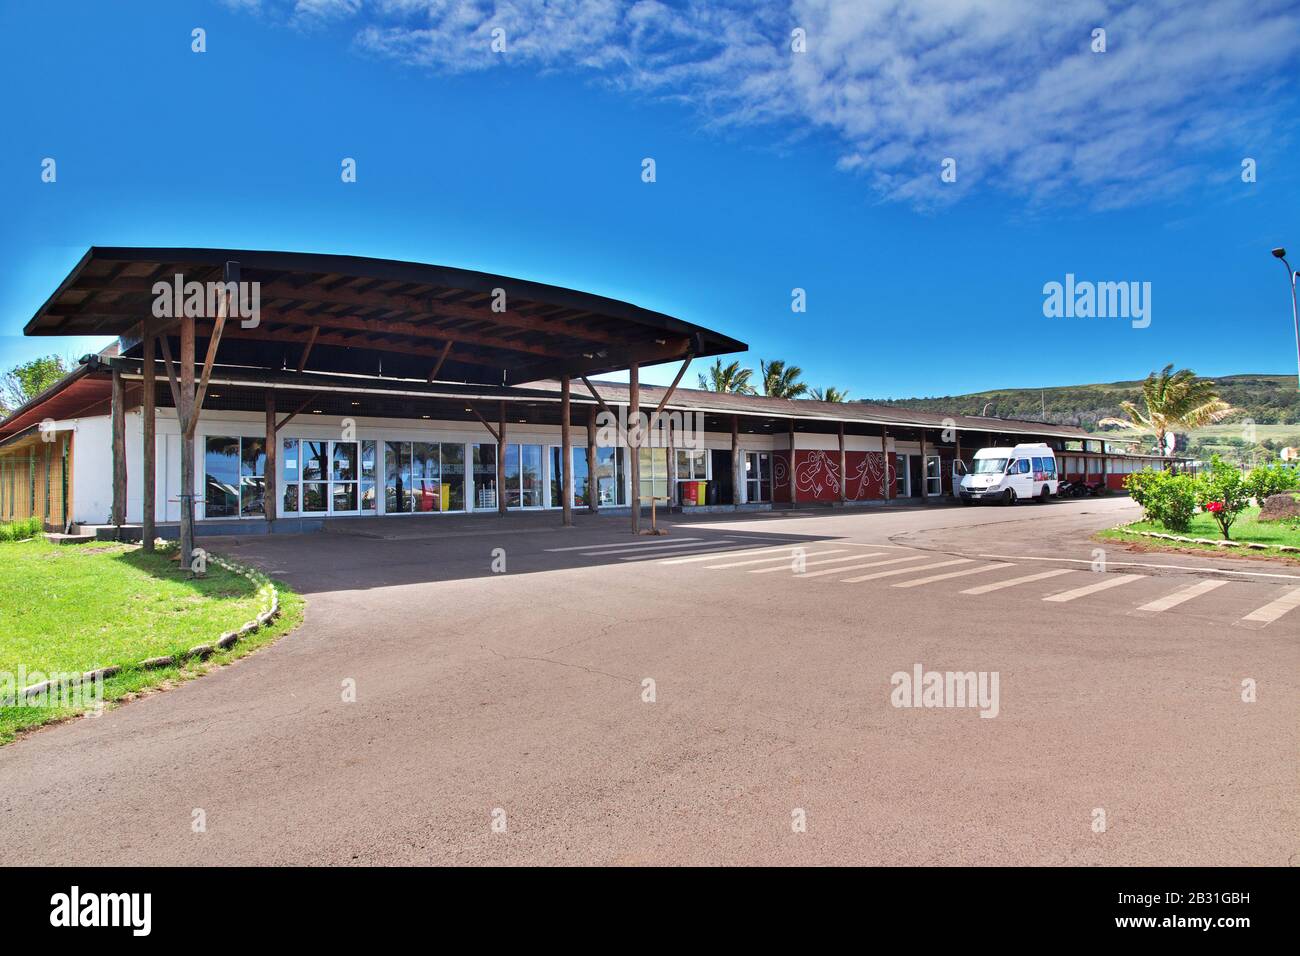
pixel 224 642
pixel 1255 546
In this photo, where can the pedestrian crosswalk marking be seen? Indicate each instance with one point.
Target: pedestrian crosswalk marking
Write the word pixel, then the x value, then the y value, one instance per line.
pixel 1181 595
pixel 744 549
pixel 894 571
pixel 786 555
pixel 1012 582
pixel 952 574
pixel 1271 611
pixel 1111 581
pixel 650 548
pixel 616 544
pixel 809 564
pixel 859 567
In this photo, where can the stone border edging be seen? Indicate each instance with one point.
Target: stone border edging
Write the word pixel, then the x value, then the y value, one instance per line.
pixel 1216 542
pixel 224 642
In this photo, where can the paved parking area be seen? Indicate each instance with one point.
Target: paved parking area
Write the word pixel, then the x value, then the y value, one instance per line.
pixel 770 645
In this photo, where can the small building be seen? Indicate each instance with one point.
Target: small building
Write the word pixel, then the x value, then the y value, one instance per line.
pixel 365 388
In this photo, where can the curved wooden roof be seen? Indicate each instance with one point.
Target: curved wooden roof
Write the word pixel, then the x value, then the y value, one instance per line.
pixel 358 315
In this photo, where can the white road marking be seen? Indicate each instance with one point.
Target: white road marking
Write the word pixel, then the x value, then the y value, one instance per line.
pixel 1181 595
pixel 786 556
pixel 740 547
pixel 651 548
pixel 886 574
pixel 1111 581
pixel 710 551
pixel 952 574
pixel 859 567
pixel 809 564
pixel 1012 582
pixel 1271 611
pixel 611 544
pixel 1137 564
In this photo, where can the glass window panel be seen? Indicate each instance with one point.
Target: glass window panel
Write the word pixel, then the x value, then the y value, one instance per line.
pixel 291 498
pixel 252 492
pixel 453 476
pixel 345 461
pixel 289 460
pixel 609 476
pixel 557 476
pixel 485 477
pixel 313 496
pixel 252 457
pixel 512 476
pixel 345 495
pixel 531 474
pixel 221 470
pixel 397 476
pixel 368 496
pixel 368 460
pixel 580 478
pixel 313 460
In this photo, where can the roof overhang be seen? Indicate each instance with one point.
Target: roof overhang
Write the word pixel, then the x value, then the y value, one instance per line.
pixel 73 395
pixel 357 315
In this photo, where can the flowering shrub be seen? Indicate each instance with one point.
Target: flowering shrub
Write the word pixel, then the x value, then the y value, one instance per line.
pixel 1222 492
pixel 1167 499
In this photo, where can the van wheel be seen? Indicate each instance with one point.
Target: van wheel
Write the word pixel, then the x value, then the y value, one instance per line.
pixel 1043 496
pixel 1009 498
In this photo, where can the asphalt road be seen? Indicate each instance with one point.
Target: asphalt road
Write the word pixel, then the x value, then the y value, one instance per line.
pixel 521 694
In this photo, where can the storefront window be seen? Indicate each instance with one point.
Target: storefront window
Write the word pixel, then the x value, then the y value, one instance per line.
pixel 581 479
pixel 654 473
pixel 609 477
pixel 485 477
pixel 221 465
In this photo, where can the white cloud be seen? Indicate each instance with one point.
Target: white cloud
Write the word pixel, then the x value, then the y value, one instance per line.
pixel 1009 88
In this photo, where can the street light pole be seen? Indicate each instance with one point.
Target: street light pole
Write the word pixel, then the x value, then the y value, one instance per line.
pixel 1291 274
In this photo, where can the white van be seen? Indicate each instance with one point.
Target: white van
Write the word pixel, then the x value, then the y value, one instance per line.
pixel 1008 475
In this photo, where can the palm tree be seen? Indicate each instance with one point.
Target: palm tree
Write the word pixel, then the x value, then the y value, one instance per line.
pixel 780 380
pixel 732 378
pixel 1174 400
pixel 829 394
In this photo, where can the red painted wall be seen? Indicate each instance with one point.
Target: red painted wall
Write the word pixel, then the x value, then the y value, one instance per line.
pixel 817 475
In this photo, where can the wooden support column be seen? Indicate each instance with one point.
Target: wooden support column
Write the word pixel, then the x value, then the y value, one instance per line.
pixel 737 467
pixel 887 485
pixel 593 486
pixel 184 415
pixel 844 474
pixel 118 409
pixel 566 450
pixel 792 483
pixel 670 459
pixel 634 449
pixel 952 479
pixel 501 459
pixel 270 484
pixel 925 491
pixel 148 471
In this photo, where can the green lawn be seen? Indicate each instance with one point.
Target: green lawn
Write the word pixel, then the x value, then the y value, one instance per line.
pixel 81 607
pixel 1246 528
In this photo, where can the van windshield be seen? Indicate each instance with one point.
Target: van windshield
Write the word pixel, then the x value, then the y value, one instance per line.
pixel 990 466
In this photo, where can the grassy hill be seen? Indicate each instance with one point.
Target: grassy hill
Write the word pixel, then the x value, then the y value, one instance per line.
pixel 1272 402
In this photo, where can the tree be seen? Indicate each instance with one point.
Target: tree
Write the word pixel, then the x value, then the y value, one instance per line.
pixel 25 381
pixel 829 394
pixel 1173 400
pixel 732 379
pixel 781 380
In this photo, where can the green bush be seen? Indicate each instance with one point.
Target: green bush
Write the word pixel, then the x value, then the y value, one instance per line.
pixel 21 530
pixel 1167 499
pixel 1272 480
pixel 1222 493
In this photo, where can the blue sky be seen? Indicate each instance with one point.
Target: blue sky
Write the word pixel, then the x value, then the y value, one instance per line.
pixel 775 170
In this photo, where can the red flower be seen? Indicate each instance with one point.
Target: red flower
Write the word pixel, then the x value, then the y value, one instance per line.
pixel 1214 506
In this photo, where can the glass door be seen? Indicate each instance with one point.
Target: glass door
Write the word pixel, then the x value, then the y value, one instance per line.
pixel 933 476
pixel 758 476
